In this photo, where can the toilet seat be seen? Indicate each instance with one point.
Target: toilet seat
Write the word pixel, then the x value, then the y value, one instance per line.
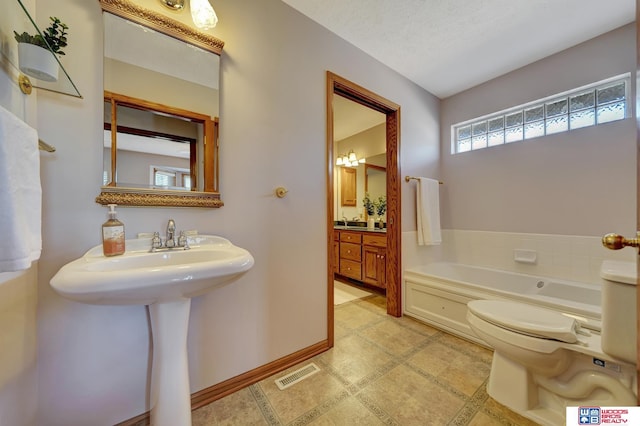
pixel 526 319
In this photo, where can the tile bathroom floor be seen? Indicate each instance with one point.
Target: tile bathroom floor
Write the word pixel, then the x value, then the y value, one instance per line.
pixel 381 371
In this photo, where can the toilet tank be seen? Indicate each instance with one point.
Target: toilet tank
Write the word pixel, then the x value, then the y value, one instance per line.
pixel 619 309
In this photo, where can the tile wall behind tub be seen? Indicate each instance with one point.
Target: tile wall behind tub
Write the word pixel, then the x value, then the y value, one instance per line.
pixel 570 257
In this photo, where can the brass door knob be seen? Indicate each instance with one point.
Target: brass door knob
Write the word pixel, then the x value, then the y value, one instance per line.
pixel 616 242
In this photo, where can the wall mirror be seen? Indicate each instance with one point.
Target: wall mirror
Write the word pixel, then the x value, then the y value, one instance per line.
pixel 161 85
pixel 359 133
pixel 375 183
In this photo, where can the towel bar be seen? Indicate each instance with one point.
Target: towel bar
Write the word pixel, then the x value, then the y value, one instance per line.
pixel 43 146
pixel 408 178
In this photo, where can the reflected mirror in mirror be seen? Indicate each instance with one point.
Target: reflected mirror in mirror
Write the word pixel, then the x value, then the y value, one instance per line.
pixel 161 94
pixel 360 130
pixel 156 146
pixel 375 183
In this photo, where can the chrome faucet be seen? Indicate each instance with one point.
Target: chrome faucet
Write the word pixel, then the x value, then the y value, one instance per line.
pixel 345 220
pixel 170 241
pixel 171 231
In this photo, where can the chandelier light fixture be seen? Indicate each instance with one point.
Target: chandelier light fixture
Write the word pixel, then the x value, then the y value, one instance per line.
pixel 349 160
pixel 203 15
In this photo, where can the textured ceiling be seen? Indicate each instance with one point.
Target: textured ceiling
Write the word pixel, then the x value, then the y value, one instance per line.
pixel 447 46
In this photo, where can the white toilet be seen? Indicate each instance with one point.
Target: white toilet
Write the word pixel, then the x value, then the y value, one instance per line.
pixel 544 361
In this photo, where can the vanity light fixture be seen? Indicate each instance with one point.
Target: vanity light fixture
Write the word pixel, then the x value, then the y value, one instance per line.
pixel 203 15
pixel 173 4
pixel 349 160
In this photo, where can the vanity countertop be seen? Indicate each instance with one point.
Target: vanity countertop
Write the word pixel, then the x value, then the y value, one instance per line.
pixel 360 228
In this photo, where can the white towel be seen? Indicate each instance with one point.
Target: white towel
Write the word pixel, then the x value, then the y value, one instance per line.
pixel 20 194
pixel 428 212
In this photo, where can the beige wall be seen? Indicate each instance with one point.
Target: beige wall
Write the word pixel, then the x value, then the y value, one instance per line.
pixel 18 290
pixel 582 182
pixel 135 167
pixel 94 360
pixel 143 84
pixel 18 356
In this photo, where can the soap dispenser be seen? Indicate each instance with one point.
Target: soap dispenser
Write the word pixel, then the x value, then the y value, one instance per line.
pixel 112 234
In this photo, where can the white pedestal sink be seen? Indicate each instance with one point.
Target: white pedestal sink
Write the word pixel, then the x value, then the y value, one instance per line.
pixel 166 281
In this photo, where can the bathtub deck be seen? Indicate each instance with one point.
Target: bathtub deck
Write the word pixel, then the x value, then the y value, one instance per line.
pixel 441 301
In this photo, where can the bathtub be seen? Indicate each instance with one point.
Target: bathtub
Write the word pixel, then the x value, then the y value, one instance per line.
pixel 438 294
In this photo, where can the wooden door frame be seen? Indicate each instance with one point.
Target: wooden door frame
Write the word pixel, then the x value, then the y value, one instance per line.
pixel 337 85
pixel 637 114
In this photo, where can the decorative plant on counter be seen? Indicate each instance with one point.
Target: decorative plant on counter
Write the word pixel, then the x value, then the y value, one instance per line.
pixel 54 37
pixel 381 205
pixel 370 206
pixel 378 206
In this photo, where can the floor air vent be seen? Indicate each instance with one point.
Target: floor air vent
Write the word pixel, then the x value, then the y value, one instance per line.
pixel 294 377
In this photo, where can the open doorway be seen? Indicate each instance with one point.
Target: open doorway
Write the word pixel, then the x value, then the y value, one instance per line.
pixel 360 190
pixel 338 87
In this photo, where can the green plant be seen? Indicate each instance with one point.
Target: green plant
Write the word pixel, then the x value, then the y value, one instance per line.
pixel 378 206
pixel 369 205
pixel 53 37
pixel 381 205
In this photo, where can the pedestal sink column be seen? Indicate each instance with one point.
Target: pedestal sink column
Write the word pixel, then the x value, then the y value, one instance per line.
pixel 140 276
pixel 170 392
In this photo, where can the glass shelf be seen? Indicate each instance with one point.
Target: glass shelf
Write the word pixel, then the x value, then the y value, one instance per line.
pixel 17 19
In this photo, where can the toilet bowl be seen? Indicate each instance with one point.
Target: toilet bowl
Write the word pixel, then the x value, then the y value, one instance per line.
pixel 545 361
pixel 518 330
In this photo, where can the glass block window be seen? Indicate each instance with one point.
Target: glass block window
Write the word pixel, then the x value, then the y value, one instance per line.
pixel 597 103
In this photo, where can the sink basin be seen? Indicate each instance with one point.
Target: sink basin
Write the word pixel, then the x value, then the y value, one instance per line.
pixel 165 280
pixel 140 277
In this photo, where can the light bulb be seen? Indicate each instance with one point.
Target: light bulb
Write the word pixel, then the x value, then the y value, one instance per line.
pixel 339 161
pixel 352 156
pixel 203 14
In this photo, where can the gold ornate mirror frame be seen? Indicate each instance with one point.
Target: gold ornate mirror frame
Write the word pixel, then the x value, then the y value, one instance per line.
pixel 153 197
pixel 156 21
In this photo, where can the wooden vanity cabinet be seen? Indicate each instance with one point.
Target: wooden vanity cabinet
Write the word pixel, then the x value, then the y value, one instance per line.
pixel 348 191
pixel 336 252
pixel 351 254
pixel 362 256
pixel 374 259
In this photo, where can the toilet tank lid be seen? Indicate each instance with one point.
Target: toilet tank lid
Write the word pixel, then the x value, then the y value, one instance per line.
pixel 526 319
pixel 619 271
